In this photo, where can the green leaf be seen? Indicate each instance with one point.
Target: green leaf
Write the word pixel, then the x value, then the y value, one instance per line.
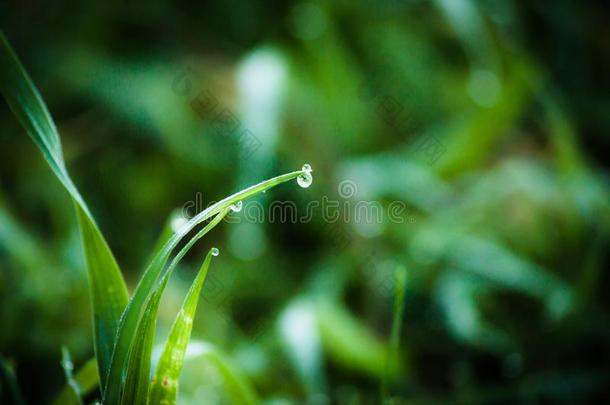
pixel 138 372
pixel 131 319
pixel 87 379
pixel 141 353
pixel 108 290
pixel 164 387
pixel 135 390
pixel 166 233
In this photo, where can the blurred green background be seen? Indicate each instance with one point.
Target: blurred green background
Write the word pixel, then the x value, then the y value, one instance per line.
pixel 488 120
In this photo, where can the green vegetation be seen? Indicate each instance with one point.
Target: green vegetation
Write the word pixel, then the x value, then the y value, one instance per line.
pixel 124 328
pixel 452 249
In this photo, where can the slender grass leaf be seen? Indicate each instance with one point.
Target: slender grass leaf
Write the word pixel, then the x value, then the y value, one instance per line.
pixel 133 314
pixel 142 356
pixel 166 233
pixel 138 372
pixel 108 290
pixel 87 379
pixel 164 387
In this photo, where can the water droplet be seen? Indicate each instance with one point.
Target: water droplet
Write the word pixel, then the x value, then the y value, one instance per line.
pixel 178 222
pixel 237 206
pixel 305 179
pixel 215 252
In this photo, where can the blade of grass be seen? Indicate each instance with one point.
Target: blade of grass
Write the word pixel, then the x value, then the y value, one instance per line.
pixel 108 290
pixel 166 233
pixel 164 387
pixel 139 358
pixel 138 370
pixel 87 378
pixel 144 290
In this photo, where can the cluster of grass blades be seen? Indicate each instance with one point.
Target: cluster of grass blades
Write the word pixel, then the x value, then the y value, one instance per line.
pixel 124 326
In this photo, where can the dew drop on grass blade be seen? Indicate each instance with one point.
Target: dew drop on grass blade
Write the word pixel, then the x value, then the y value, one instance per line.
pixel 132 316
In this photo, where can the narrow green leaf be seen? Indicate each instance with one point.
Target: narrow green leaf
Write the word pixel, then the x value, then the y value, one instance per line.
pixel 166 233
pixel 130 321
pixel 138 372
pixel 164 388
pixel 139 359
pixel 108 290
pixel 87 379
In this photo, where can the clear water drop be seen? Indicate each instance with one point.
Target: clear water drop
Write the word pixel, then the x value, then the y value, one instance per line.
pixel 305 179
pixel 237 206
pixel 215 251
pixel 178 223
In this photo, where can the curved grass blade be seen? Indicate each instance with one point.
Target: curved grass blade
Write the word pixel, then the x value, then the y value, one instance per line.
pixel 138 372
pixel 108 290
pixel 87 379
pixel 133 313
pixel 164 387
pixel 166 233
pixel 140 356
pixel 137 368
pixel 138 377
